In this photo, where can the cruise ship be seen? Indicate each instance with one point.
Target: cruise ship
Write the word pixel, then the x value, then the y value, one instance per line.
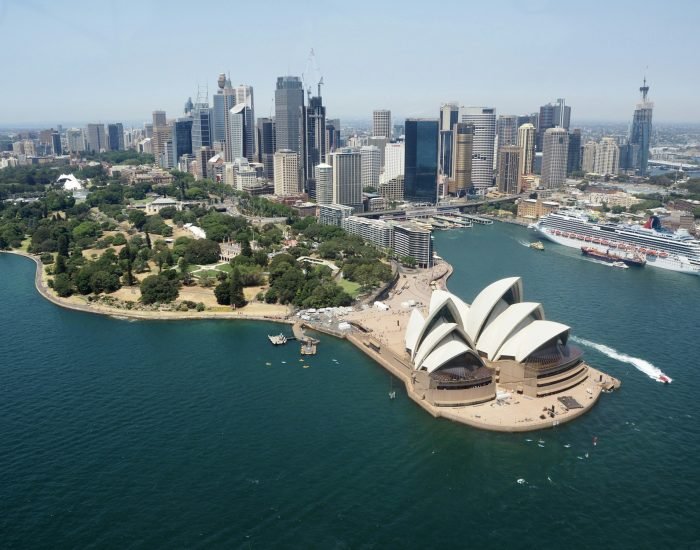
pixel 661 248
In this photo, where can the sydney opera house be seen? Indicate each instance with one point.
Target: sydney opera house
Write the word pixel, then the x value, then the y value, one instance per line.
pixel 465 354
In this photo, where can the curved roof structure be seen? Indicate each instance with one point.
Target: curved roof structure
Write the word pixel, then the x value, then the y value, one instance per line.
pixel 446 306
pixel 437 335
pixel 415 324
pixel 532 337
pixel 512 320
pixel 451 347
pixel 495 298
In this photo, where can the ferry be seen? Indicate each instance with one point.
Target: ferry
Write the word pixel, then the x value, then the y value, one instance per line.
pixel 659 247
pixel 537 245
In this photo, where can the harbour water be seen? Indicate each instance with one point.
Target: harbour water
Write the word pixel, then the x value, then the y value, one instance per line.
pixel 202 434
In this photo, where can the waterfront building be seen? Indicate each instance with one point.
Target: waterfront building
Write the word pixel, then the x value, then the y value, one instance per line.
pixel 266 146
pixel 640 134
pixel 377 232
pixel 381 123
pixel 289 100
pixel 371 164
pixel 533 209
pixel 420 158
pixel 527 137
pixel 333 214
pixel 462 157
pixel 287 173
pixel 411 241
pixel 96 138
pixel 508 178
pixel 347 178
pixel 115 136
pixel 573 159
pixel 554 157
pixel 324 183
pixel 460 353
pixel 449 116
pixel 484 121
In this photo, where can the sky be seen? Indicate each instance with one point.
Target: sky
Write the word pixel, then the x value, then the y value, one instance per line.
pixel 105 61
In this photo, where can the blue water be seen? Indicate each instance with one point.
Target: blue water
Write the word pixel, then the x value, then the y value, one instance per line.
pixel 158 434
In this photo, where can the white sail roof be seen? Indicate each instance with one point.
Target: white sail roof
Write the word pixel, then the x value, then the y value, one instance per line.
pixel 449 348
pixel 431 340
pixel 512 320
pixel 487 300
pixel 444 301
pixel 530 338
pixel 413 330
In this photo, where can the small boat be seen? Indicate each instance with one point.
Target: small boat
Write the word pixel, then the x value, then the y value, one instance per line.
pixel 664 379
pixel 621 265
pixel 537 245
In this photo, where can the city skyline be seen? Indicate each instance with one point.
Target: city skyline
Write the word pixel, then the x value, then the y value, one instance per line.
pixel 110 82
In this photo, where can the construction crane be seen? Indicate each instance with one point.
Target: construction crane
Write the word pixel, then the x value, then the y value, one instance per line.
pixel 312 64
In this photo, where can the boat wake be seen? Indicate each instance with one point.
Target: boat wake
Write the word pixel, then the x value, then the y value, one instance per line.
pixel 640 364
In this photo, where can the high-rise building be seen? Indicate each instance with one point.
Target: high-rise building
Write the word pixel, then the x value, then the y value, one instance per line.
pixel 332 135
pixel 56 146
pixel 381 123
pixel 96 138
pixel 552 116
pixel 161 135
pixel 323 174
pixel 449 116
pixel 391 181
pixel 371 164
pixel 75 140
pixel 239 142
pixel 223 102
pixel 244 96
pixel 314 135
pixel 590 150
pixel 421 157
pixel 554 157
pixel 159 118
pixel 181 138
pixel 527 136
pixel 287 173
pixel 266 146
pixel 462 158
pixel 484 121
pixel 508 177
pixel 573 160
pixel 289 100
pixel 507 130
pixel 380 143
pixel 640 135
pixel 115 136
pixel 607 157
pixel 347 178
pixel 201 126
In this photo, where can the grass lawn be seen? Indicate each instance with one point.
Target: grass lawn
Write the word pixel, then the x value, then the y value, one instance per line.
pixel 350 287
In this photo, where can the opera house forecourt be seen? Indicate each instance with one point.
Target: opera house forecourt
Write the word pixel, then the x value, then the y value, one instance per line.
pixel 495 364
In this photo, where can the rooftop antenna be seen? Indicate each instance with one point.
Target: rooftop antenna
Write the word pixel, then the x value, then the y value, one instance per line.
pixel 644 89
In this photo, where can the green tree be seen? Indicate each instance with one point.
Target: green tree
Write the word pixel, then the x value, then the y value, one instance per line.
pixel 223 293
pixel 158 288
pixel 201 251
pixel 60 266
pixel 237 297
pixel 62 285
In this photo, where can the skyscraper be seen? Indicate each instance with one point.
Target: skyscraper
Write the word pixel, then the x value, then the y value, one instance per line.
pixel 552 116
pixel 590 149
pixel 381 123
pixel 573 162
pixel 421 157
pixel 75 140
pixel 527 136
pixel 244 96
pixel 507 130
pixel 508 169
pixel 640 135
pixel 449 116
pixel 115 136
pixel 314 132
pixel 96 138
pixel 159 118
pixel 323 174
pixel 287 173
pixel 240 138
pixel 266 146
pixel 289 100
pixel 181 138
pixel 484 121
pixel 224 100
pixel 462 158
pixel 391 181
pixel 371 162
pixel 332 135
pixel 56 143
pixel 347 178
pixel 201 125
pixel 556 149
pixel 607 157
